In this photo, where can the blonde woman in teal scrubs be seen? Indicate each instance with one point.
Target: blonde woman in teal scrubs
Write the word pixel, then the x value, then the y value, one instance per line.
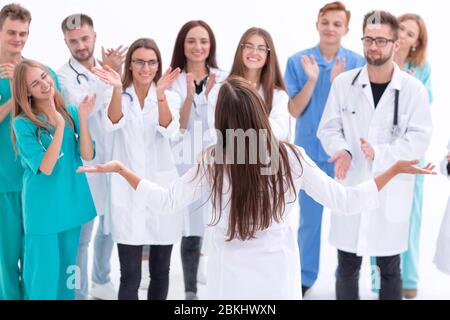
pixel 51 138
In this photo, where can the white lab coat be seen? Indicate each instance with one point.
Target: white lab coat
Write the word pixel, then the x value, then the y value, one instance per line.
pixel 73 93
pixel 143 146
pixel 268 266
pixel 350 114
pixel 442 255
pixel 188 144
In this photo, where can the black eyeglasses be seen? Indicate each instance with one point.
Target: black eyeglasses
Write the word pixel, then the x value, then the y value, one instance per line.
pixel 379 41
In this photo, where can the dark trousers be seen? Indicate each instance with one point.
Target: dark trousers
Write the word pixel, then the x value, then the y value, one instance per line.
pixel 347 276
pixel 130 258
pixel 190 258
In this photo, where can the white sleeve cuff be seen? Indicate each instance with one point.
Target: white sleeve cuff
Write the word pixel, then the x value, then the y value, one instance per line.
pixel 109 126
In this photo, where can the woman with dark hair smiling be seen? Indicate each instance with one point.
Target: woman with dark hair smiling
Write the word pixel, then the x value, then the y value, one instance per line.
pixel 194 53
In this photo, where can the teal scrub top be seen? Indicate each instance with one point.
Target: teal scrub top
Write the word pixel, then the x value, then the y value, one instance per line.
pixel 422 73
pixel 62 200
pixel 11 171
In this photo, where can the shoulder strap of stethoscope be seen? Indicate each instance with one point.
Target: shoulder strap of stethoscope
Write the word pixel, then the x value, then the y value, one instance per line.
pixel 73 68
pixel 356 77
pixel 397 93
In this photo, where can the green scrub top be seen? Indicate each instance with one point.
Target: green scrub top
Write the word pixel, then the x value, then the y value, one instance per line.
pixel 62 200
pixel 11 171
pixel 423 74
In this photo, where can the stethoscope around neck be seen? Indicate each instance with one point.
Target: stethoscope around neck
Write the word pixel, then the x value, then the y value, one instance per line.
pixel 42 130
pixel 85 77
pixel 395 128
pixel 126 93
pixel 79 74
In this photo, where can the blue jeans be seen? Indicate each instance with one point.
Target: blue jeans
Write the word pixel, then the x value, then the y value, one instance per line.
pixel 103 246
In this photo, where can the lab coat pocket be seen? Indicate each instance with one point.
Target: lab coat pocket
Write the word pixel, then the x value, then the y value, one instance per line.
pixel 387 132
pixel 398 198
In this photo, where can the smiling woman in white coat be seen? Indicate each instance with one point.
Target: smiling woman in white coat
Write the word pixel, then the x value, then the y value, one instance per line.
pixel 253 253
pixel 143 115
pixel 194 53
pixel 256 61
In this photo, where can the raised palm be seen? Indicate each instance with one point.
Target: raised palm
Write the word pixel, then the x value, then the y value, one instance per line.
pixel 167 79
pixel 86 106
pixel 108 76
pixel 190 85
pixel 210 83
pixel 310 67
pixel 338 68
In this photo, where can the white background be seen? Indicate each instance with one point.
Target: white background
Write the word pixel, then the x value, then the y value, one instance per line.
pixel 292 26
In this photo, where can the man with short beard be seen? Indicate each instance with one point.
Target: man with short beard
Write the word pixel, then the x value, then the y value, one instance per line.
pixel 77 81
pixel 375 115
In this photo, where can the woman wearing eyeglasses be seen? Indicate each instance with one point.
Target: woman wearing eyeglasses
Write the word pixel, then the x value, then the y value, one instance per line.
pixel 194 53
pixel 256 61
pixel 252 252
pixel 143 115
pixel 51 138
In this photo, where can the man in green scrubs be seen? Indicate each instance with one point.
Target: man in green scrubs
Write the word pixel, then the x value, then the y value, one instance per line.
pixel 14 28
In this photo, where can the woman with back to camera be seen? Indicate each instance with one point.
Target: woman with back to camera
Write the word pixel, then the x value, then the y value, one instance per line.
pixel 252 251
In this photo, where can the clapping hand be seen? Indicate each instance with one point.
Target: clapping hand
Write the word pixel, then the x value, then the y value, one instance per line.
pixel 108 76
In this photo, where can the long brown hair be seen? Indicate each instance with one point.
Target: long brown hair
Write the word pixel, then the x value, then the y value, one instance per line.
pixel 145 43
pixel 256 200
pixel 418 56
pixel 271 77
pixel 178 57
pixel 24 104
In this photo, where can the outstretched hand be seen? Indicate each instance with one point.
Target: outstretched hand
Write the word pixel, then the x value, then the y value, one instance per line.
pixel 111 166
pixel 410 167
